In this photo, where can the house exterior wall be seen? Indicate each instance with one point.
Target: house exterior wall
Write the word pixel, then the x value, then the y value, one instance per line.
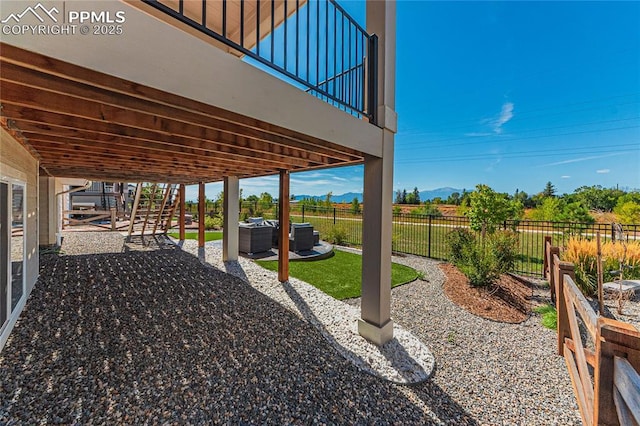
pixel 17 165
pixel 214 77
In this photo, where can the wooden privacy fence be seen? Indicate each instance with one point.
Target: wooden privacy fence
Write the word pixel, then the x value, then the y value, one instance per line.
pixel 608 393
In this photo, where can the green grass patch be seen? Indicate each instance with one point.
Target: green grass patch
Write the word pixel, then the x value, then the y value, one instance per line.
pixel 208 236
pixel 339 276
pixel 549 316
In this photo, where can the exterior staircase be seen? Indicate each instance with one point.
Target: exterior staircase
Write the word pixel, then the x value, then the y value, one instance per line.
pixel 153 209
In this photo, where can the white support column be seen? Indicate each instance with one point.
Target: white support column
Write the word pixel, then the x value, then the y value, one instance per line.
pixel 376 324
pixel 231 212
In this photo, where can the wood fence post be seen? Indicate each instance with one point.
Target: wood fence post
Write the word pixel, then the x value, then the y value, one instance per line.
pixel 614 338
pixel 560 270
pixel 113 219
pixel 545 259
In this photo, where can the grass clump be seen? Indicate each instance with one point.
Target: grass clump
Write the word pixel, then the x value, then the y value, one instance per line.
pixel 584 254
pixel 340 276
pixel 549 316
pixel 208 236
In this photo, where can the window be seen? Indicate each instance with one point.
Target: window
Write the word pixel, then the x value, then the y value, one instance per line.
pixel 12 248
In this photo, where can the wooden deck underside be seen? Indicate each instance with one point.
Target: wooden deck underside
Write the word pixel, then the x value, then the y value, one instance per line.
pixel 82 123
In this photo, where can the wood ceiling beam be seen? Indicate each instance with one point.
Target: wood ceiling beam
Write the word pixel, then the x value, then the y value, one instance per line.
pixel 30 119
pixel 88 92
pixel 50 150
pixel 94 170
pixel 22 95
pixel 126 176
pixel 44 140
pixel 36 61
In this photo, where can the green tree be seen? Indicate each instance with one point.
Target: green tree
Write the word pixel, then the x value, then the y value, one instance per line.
pixel 398 199
pixel 628 212
pixel 355 206
pixel 488 209
pixel 549 190
pixel 575 212
pixel 416 195
pixel 327 199
pixel 548 210
pixel 454 199
pixel 597 198
pixel 524 199
pixel 266 201
pixel 558 210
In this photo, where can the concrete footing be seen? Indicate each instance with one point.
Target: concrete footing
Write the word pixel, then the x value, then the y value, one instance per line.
pixel 376 335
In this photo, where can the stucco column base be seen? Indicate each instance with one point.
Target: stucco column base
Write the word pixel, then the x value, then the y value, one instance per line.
pixel 376 335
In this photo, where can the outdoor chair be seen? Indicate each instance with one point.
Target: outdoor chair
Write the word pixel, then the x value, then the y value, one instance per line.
pixel 301 237
pixel 254 238
pixel 275 226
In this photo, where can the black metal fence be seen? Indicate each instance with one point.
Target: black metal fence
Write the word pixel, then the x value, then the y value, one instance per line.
pixel 425 235
pixel 315 44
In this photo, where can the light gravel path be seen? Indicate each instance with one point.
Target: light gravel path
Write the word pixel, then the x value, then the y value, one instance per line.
pixel 129 337
pixel 500 373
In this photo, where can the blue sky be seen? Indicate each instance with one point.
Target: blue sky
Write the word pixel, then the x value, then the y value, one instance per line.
pixel 510 94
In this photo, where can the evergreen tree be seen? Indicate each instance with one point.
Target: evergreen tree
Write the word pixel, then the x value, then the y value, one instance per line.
pixel 416 196
pixel 355 206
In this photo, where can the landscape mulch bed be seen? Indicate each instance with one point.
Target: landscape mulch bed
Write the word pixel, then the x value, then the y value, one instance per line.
pixel 508 300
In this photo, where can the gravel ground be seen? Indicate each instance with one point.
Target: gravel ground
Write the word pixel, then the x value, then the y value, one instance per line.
pixel 131 337
pixel 500 373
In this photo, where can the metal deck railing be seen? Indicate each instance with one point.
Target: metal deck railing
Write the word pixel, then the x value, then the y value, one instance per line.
pixel 314 45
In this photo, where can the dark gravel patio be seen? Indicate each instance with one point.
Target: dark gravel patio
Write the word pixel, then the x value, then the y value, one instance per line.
pixel 129 336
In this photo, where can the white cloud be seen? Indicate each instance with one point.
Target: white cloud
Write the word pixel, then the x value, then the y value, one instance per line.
pixel 505 115
pixel 478 134
pixel 603 171
pixel 565 177
pixel 577 160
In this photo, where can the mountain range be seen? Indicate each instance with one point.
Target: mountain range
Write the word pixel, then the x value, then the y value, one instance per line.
pixel 349 196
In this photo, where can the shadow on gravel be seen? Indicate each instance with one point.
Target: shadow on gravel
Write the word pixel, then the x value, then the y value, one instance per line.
pixel 154 336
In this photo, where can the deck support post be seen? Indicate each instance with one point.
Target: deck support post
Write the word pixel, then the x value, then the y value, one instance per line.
pixel 375 323
pixel 201 215
pixel 283 231
pixel 231 215
pixel 182 219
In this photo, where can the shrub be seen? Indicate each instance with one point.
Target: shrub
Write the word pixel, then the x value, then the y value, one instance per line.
pixel 504 246
pixel 482 260
pixel 426 210
pixel 458 242
pixel 337 235
pixel 212 222
pixel 480 265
